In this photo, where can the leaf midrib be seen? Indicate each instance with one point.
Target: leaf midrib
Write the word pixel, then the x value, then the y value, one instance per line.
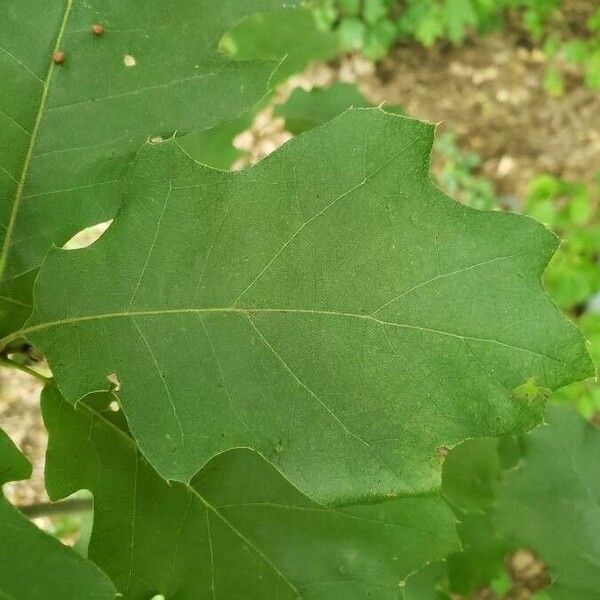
pixel 32 140
pixel 253 311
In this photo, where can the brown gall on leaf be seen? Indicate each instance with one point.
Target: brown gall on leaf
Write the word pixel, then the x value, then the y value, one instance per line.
pixel 58 57
pixel 97 29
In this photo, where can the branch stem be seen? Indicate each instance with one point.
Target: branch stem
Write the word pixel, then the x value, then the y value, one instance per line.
pixel 11 364
pixel 46 509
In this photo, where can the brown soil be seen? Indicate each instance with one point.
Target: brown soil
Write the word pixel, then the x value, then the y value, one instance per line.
pixel 490 93
pixel 20 418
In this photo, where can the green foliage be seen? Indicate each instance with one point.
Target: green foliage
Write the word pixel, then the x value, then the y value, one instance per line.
pixel 295 325
pixel 537 491
pixel 549 504
pixel 573 275
pixel 458 176
pixel 70 129
pixel 291 350
pixel 583 51
pixel 34 565
pixel 571 210
pixel 371 27
pixel 238 529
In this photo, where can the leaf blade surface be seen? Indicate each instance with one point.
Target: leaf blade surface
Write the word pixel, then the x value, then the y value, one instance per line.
pixel 329 308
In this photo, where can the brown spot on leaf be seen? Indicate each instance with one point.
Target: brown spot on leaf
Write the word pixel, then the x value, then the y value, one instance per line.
pixel 97 29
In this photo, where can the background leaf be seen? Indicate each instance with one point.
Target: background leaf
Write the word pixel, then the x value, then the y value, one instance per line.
pixel 32 564
pixel 239 530
pixel 304 110
pixel 550 503
pixel 291 35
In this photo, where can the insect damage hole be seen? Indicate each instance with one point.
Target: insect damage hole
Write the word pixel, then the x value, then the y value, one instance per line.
pixel 129 61
pixel 113 382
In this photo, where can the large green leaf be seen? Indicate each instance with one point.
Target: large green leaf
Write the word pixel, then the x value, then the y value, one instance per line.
pixel 551 503
pixel 329 308
pixel 239 530
pixel 68 130
pixel 32 564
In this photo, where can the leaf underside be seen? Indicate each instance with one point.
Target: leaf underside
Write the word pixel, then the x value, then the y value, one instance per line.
pixel 340 316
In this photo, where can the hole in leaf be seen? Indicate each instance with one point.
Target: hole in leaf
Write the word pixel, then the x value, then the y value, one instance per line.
pixel 113 380
pixel 86 237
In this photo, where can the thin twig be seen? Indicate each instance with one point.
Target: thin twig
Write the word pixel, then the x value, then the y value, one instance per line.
pixel 45 509
pixel 11 364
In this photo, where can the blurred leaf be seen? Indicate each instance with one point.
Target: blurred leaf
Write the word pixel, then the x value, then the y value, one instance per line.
pixel 214 147
pixel 349 7
pixel 304 110
pixel 290 36
pixel 458 16
pixel 431 27
pixel 554 82
pixel 592 69
pixel 379 39
pixel 550 503
pixel 375 11
pixel 351 34
pixel 575 51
